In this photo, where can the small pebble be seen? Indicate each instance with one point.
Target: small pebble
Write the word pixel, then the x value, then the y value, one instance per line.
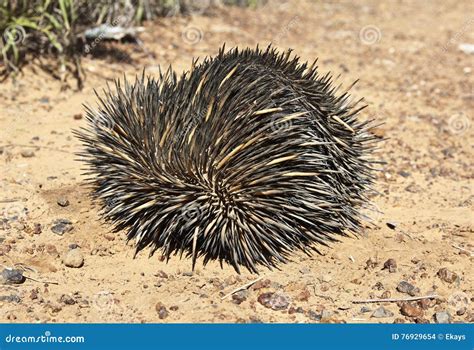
pixel 378 286
pixel 63 202
pixel 274 301
pixel 442 317
pixel 421 320
pixel 293 310
pixel 392 225
pixel 390 265
pixel 461 311
pixel 161 274
pixel 411 310
pixel 73 258
pixel 240 296
pixel 299 310
pixel 371 263
pixel 161 310
pixel 365 309
pixel 67 299
pixel 313 315
pixel 12 276
pixel 37 229
pixel 77 116
pixel 404 173
pixel 326 314
pixel 255 319
pixel 413 188
pixel 447 275
pixel 466 48
pixel 382 312
pixel 34 294
pixel 61 226
pixel 10 298
pixel 261 284
pixel 73 246
pixel 303 295
pixel 27 154
pixel 407 288
pixel 425 304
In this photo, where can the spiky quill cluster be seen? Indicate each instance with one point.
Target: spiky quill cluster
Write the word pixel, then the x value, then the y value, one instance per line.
pixel 249 156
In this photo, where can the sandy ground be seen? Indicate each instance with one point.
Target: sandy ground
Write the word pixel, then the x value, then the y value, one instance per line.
pixel 413 76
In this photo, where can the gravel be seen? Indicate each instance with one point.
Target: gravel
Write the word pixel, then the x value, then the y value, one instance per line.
pixel 407 288
pixel 274 301
pixel 13 298
pixel 382 312
pixel 442 317
pixel 447 275
pixel 61 226
pixel 390 265
pixel 12 276
pixel 73 258
pixel 161 311
pixel 239 297
pixel 411 310
pixel 63 201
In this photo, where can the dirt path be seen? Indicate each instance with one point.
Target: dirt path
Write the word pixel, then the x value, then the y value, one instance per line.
pixel 415 80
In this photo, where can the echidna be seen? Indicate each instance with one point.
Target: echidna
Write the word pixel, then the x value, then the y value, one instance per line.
pixel 249 156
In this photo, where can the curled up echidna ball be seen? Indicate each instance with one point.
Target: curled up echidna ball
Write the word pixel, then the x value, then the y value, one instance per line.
pixel 246 158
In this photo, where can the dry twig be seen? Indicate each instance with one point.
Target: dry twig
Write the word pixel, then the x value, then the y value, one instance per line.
pixel 245 286
pixel 394 300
